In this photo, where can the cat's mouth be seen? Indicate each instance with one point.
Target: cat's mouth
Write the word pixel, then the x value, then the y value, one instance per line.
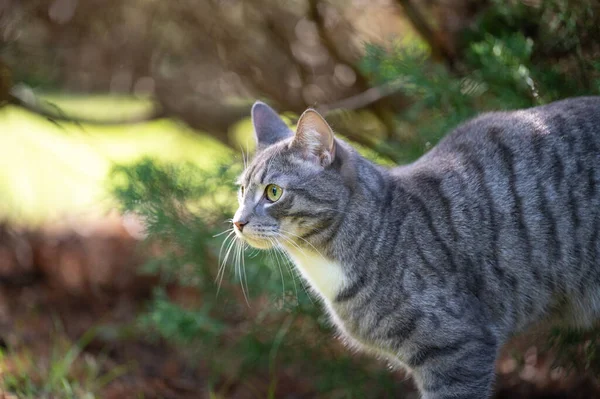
pixel 254 241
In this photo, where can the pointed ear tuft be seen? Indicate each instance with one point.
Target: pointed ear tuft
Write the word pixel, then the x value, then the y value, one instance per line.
pixel 269 128
pixel 315 138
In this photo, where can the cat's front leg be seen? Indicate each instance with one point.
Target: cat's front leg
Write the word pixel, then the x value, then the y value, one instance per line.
pixel 461 368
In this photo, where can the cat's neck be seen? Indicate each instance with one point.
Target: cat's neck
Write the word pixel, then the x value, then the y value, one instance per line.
pixel 332 259
pixel 325 275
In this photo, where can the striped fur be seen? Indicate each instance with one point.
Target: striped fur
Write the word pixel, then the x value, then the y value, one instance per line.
pixel 439 262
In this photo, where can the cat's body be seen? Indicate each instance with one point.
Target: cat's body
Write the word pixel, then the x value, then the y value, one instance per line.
pixel 435 264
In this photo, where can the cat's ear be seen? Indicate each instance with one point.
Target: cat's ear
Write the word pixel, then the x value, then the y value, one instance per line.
pixel 314 138
pixel 269 128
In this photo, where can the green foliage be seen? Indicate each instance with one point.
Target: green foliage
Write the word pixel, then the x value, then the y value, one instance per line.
pixel 509 60
pixel 178 324
pixel 557 26
pixel 577 349
pixel 504 65
pixel 564 32
pixel 436 96
pixel 181 207
pixel 499 76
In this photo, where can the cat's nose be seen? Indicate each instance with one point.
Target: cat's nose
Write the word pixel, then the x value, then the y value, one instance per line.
pixel 240 224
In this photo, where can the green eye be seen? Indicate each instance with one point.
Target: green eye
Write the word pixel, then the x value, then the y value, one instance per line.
pixel 242 190
pixel 274 192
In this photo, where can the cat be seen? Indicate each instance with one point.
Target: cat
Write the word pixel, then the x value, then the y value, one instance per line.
pixel 437 263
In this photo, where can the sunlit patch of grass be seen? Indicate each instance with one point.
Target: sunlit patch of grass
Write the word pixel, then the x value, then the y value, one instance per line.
pixel 65 372
pixel 97 107
pixel 48 170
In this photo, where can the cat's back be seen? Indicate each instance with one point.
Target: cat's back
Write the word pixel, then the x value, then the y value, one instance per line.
pixel 514 153
pixel 529 165
pixel 568 121
pixel 521 189
pixel 510 202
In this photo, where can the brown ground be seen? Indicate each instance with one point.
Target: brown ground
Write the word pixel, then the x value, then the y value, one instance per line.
pixel 57 284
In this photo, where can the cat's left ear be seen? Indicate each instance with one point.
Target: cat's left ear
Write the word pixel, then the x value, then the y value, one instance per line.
pixel 314 138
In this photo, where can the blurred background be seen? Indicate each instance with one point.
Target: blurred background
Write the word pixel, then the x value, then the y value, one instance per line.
pixel 123 126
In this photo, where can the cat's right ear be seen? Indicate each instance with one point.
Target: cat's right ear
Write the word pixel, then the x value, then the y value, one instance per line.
pixel 269 128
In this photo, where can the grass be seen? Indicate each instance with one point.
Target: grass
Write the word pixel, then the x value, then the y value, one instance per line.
pixel 66 372
pixel 49 171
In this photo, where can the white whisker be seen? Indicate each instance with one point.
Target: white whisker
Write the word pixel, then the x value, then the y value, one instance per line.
pixel 303 239
pixel 223 244
pixel 221 271
pixel 243 266
pixel 274 254
pixel 292 272
pixel 230 230
pixel 239 259
pixel 290 241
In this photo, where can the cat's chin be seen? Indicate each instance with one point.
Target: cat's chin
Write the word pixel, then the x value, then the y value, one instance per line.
pixel 257 243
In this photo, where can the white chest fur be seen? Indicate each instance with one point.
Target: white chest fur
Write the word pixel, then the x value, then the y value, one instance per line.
pixel 325 276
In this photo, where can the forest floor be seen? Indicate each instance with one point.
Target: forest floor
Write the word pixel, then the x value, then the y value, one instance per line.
pixel 68 305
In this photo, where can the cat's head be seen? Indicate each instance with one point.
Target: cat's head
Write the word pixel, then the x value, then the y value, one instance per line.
pixel 293 187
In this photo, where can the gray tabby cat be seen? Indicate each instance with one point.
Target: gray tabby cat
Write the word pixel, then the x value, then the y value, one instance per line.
pixel 437 263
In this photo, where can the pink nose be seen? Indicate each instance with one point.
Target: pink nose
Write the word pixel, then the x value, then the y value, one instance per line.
pixel 240 225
